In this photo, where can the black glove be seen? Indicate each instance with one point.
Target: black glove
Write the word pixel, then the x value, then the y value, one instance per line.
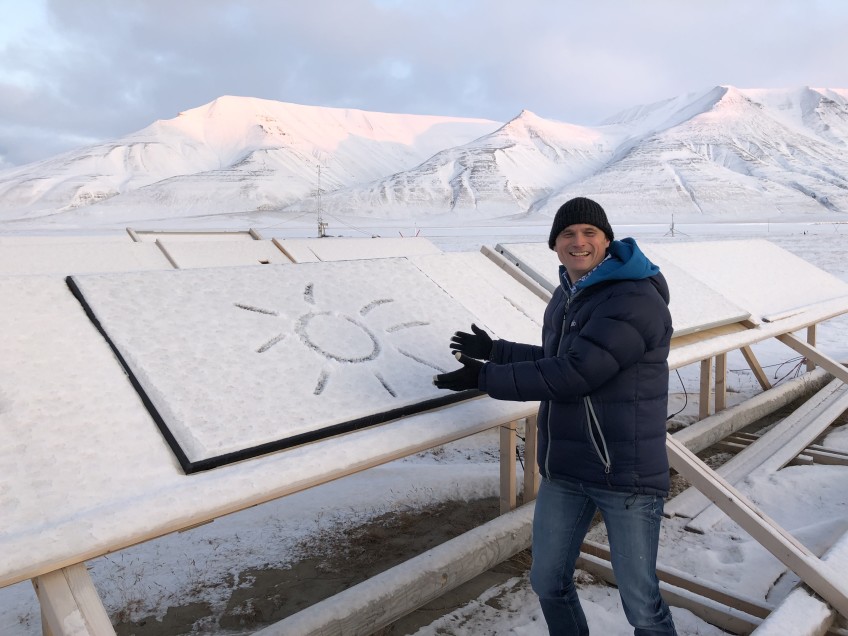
pixel 475 345
pixel 463 378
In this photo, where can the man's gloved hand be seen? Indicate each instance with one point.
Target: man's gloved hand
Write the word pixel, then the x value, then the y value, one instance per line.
pixel 475 345
pixel 462 379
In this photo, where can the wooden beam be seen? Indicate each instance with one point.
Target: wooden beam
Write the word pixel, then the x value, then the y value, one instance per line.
pixel 706 385
pixel 700 435
pixel 531 468
pixel 283 250
pixel 817 453
pixel 811 353
pixel 811 340
pixel 720 382
pixel 508 495
pixel 772 451
pixel 752 361
pixel 518 274
pixel 724 616
pixel 681 579
pixel 801 612
pixel 70 605
pixel 822 578
pixel 167 254
pixel 368 607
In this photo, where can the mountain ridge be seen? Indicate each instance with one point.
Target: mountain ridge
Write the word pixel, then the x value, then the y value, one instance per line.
pixel 721 153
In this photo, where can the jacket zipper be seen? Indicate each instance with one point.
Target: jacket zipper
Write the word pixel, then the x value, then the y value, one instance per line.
pixel 595 427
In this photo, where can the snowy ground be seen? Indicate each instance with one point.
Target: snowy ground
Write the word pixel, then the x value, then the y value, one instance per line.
pixel 810 502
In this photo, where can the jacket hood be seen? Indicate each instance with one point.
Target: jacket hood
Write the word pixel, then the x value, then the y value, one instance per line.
pixel 625 262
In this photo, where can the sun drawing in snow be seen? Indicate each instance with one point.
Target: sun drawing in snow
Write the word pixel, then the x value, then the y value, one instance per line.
pixel 340 337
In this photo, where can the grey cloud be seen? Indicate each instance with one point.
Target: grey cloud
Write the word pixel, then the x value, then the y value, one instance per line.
pixel 112 68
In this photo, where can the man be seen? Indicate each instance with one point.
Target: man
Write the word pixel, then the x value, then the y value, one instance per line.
pixel 601 376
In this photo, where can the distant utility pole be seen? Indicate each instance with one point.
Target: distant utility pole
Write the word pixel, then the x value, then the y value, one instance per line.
pixel 671 228
pixel 322 225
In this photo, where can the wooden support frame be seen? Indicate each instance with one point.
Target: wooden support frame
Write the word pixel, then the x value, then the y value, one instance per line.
pixel 773 450
pixel 720 382
pixel 531 468
pixel 70 604
pixel 817 454
pixel 706 386
pixel 508 494
pixel 783 443
pixel 375 603
pixel 703 434
pixel 811 353
pixel 817 574
pixel 752 361
pixel 725 613
pixel 811 340
pixel 167 254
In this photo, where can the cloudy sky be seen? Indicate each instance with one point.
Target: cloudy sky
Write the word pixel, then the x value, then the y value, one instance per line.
pixel 74 72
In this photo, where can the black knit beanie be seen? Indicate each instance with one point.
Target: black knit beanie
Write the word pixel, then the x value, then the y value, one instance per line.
pixel 579 210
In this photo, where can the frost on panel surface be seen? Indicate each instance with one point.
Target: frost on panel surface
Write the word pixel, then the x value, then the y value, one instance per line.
pixel 310 250
pixel 694 305
pixel 502 304
pixel 231 253
pixel 62 257
pixel 756 275
pixel 234 359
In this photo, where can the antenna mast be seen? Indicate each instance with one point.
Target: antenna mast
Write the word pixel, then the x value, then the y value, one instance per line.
pixel 322 224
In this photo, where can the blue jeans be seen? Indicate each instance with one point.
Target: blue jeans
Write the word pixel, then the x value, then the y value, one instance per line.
pixel 564 511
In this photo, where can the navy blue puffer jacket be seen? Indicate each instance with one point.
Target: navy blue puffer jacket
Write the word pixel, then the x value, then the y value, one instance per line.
pixel 601 375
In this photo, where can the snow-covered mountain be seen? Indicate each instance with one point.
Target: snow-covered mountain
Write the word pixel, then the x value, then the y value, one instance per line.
pixel 233 154
pixel 718 154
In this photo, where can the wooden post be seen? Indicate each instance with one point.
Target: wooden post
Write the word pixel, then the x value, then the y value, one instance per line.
pixel 70 606
pixel 720 382
pixel 508 485
pixel 811 340
pixel 45 627
pixel 531 468
pixel 818 575
pixel 706 383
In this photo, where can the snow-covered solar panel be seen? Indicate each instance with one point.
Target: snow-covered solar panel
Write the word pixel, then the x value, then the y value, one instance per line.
pixel 80 258
pixel 311 250
pixel 764 279
pixel 307 350
pixel 694 306
pixel 192 254
pixel 502 304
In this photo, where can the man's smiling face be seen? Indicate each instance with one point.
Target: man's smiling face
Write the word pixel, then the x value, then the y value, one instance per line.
pixel 580 247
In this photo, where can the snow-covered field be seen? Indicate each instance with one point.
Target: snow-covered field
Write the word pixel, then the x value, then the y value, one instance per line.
pixel 809 501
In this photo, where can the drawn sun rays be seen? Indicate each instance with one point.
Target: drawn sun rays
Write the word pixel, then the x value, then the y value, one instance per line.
pixel 338 337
